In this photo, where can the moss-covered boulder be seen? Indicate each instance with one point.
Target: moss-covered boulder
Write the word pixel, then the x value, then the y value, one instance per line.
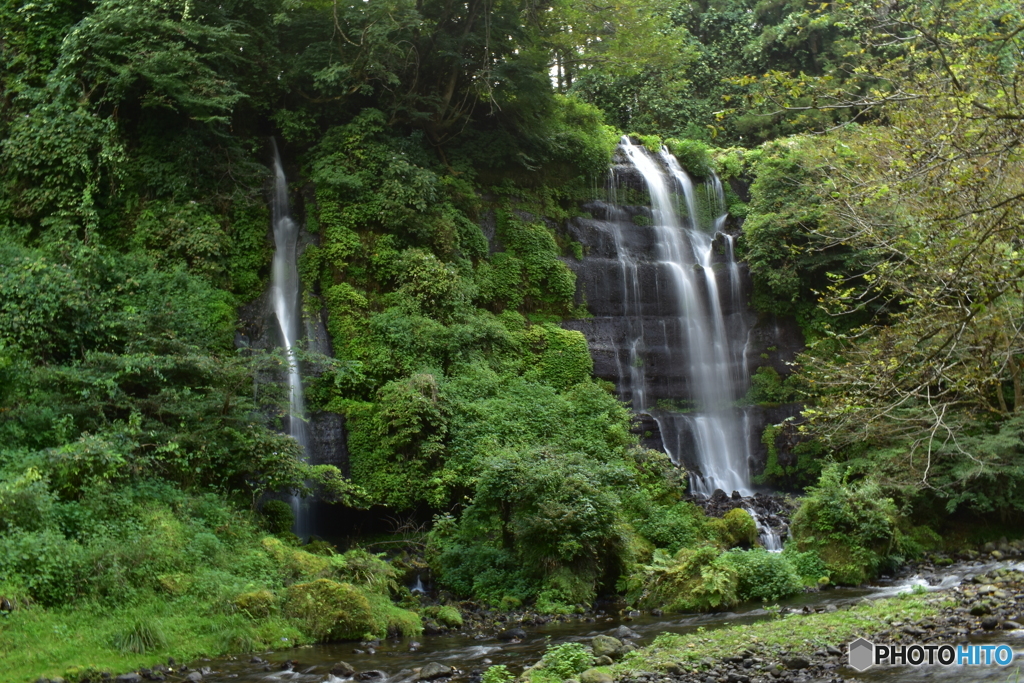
pixel 735 528
pixel 256 604
pixel 328 610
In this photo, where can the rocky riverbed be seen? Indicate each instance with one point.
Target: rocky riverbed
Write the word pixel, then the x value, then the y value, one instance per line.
pixel 990 602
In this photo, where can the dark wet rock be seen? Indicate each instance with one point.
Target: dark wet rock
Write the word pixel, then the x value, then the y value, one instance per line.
pixel 834 651
pixel 796 662
pixel 129 678
pixel 624 632
pixel 511 634
pixel 434 670
pixel 255 660
pixel 342 670
pixel 1010 625
pixel 989 623
pixel 194 677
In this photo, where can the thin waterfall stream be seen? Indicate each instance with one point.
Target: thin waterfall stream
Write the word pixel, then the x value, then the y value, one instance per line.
pixel 286 299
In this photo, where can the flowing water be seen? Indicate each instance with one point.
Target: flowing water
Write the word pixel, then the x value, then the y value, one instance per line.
pixel 394 660
pixel 287 304
pixel 696 277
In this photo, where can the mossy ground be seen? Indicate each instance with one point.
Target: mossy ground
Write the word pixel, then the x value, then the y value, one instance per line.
pixel 792 633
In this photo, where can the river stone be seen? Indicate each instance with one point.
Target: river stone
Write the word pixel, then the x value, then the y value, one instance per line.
pixel 342 670
pixel 989 623
pixel 1009 625
pixel 596 676
pixel 511 634
pixel 796 662
pixel 194 677
pixel 605 646
pixel 604 660
pixel 625 632
pixel 129 678
pixel 434 670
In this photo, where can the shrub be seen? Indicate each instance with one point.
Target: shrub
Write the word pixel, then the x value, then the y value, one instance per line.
pixel 696 579
pixel 326 609
pixel 365 569
pixel 277 516
pixel 568 660
pixel 763 575
pixel 808 566
pixel 851 526
pixel 498 673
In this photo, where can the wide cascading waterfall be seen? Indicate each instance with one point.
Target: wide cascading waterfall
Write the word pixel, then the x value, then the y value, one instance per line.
pixel 694 269
pixel 287 303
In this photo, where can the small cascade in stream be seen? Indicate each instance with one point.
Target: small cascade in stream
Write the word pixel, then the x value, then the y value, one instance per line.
pixel 287 303
pixel 695 276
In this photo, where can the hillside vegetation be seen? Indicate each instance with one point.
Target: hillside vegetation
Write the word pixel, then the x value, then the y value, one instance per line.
pixel 436 151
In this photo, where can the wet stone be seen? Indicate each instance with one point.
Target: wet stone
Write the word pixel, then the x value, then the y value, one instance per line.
pixel 434 670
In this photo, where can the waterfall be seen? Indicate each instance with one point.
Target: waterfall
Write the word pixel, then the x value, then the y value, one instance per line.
pixel 287 303
pixel 690 290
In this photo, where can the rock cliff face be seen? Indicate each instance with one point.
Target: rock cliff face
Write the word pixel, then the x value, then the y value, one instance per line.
pixel 641 336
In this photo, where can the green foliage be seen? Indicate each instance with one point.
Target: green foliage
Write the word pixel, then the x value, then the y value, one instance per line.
pixel 371 572
pixel 764 575
pixel 278 516
pixel 767 386
pixel 693 155
pixel 808 565
pixel 736 527
pixel 567 660
pixel 326 609
pixel 852 526
pixel 695 579
pixel 497 673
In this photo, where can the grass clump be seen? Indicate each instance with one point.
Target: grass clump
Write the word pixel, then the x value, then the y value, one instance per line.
pixel 140 638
